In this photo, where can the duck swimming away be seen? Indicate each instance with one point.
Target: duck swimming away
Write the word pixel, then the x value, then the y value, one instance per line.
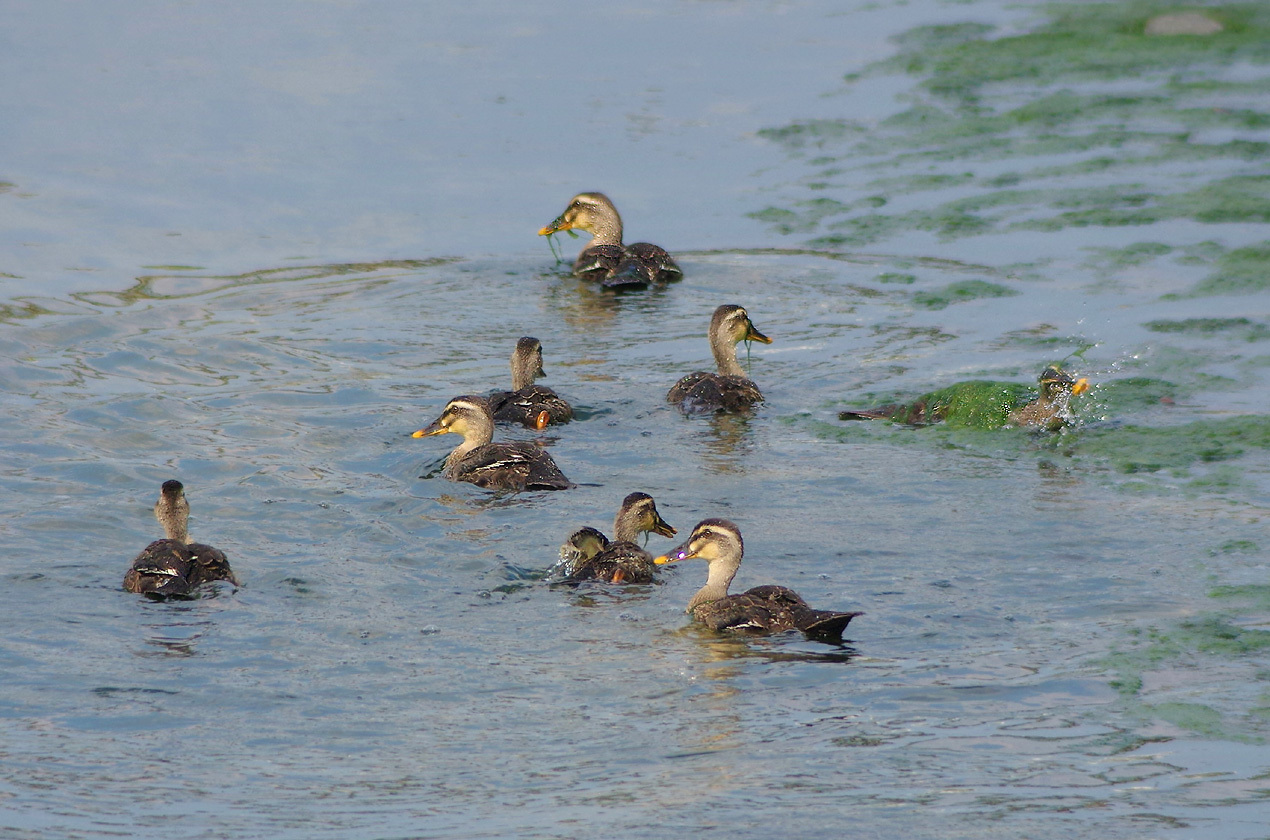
pixel 530 405
pixel 175 566
pixel 763 609
pixel 496 466
pixel 588 554
pixel 606 260
pixel 987 405
pixel 729 390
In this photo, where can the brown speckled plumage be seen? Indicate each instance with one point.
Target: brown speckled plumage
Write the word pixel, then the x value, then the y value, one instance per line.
pixel 606 260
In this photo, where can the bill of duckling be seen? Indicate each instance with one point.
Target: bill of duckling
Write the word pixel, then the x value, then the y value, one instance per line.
pixel 530 405
pixel 729 390
pixel 606 260
pixel 763 609
pixel 988 405
pixel 589 555
pixel 175 566
pixel 497 466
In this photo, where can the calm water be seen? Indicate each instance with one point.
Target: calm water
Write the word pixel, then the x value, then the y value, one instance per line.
pixel 255 249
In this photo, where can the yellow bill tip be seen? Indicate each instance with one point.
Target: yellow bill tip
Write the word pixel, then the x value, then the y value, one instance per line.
pixel 1080 386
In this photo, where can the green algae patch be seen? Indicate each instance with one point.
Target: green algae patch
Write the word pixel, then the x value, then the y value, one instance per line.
pixel 978 404
pixel 1175 648
pixel 1130 395
pixel 961 292
pixel 1244 328
pixel 1195 717
pixel 1040 99
pixel 1257 595
pixel 1142 449
pixel 1239 271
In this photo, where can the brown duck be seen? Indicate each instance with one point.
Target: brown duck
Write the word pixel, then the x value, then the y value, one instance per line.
pixel 606 259
pixel 763 609
pixel 496 466
pixel 530 405
pixel 984 404
pixel 175 566
pixel 729 390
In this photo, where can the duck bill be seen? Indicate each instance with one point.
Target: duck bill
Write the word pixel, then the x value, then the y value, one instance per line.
pixel 1080 386
pixel 752 334
pixel 663 527
pixel 434 428
pixel 555 227
pixel 683 552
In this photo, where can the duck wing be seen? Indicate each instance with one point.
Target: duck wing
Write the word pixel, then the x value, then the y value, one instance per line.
pixel 511 466
pixel 525 406
pixel 773 609
pixel 598 262
pixel 701 392
pixel 209 564
pixel 621 562
pixel 161 569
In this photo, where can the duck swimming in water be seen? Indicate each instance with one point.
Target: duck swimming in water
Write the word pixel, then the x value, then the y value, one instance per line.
pixel 606 259
pixel 763 609
pixel 728 390
pixel 588 554
pixel 496 466
pixel 175 566
pixel 530 405
pixel 987 405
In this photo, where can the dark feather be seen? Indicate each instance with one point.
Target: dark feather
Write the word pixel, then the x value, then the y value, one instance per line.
pixel 704 392
pixel 772 609
pixel 510 466
pixel 523 406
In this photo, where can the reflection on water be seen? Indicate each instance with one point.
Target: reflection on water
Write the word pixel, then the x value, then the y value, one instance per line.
pixel 717 647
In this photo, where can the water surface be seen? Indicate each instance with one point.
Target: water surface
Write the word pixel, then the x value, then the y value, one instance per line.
pixel 1063 634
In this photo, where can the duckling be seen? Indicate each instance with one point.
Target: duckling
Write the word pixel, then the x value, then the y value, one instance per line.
pixel 988 405
pixel 728 390
pixel 530 405
pixel 175 566
pixel 763 609
pixel 606 259
pixel 589 555
pixel 496 466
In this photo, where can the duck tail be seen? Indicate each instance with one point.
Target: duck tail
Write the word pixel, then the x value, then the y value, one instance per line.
pixel 825 626
pixel 629 272
pixel 883 412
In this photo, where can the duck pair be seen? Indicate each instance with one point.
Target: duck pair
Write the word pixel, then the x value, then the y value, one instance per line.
pixel 589 555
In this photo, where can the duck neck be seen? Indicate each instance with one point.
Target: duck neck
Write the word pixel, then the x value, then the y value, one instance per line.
pixel 175 523
pixel 724 350
pixel 522 372
pixel 606 228
pixel 478 432
pixel 718 580
pixel 624 528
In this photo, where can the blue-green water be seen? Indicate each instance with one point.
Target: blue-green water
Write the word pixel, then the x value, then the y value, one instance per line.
pixel 254 249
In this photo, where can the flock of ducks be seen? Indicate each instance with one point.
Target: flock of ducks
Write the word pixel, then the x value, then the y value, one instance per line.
pixel 176 567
